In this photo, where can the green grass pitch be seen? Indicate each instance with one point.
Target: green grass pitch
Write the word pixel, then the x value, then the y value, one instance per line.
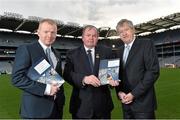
pixel 167 92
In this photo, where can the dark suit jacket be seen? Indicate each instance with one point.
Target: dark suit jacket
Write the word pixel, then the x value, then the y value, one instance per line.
pixel 86 100
pixel 139 75
pixel 34 103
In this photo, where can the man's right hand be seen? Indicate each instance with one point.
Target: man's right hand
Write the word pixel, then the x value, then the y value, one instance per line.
pixel 91 80
pixel 113 83
pixel 54 89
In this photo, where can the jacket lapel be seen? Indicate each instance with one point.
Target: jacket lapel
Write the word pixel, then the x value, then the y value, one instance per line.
pixel 42 54
pixel 40 51
pixel 84 60
pixel 96 61
pixel 119 54
pixel 56 54
pixel 133 51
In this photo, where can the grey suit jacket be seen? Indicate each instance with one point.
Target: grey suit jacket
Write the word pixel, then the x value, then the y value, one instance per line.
pixel 139 75
pixel 34 103
pixel 86 100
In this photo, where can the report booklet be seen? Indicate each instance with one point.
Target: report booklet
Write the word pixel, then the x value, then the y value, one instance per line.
pixel 108 70
pixel 43 72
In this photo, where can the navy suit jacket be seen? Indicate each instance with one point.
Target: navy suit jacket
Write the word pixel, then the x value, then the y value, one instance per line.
pixel 34 103
pixel 139 75
pixel 87 100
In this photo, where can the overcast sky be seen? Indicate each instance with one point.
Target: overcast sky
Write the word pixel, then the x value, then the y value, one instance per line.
pixel 101 13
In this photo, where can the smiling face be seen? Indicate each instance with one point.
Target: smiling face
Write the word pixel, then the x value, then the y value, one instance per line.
pixel 126 33
pixel 126 30
pixel 47 33
pixel 90 37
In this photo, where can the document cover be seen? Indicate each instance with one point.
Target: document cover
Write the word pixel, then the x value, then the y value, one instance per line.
pixel 43 72
pixel 108 70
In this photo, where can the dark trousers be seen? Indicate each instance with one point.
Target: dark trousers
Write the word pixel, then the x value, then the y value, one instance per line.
pixel 57 113
pixel 128 114
pixel 94 116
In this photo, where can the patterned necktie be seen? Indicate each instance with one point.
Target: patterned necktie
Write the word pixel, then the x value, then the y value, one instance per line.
pixel 90 59
pixel 48 54
pixel 48 50
pixel 125 54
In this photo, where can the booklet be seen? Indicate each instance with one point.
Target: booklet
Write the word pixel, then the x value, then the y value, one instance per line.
pixel 109 70
pixel 43 72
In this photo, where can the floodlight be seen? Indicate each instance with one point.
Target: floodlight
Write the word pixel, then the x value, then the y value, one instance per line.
pixel 73 24
pixel 34 18
pixel 13 15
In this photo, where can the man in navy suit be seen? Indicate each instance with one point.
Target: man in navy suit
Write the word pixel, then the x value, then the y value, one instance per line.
pixel 138 73
pixel 39 100
pixel 89 99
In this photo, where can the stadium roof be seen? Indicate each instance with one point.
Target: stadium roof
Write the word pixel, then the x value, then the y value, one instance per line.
pixel 163 23
pixel 15 22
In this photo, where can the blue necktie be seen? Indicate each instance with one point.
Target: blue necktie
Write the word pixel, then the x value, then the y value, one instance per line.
pixel 90 59
pixel 125 54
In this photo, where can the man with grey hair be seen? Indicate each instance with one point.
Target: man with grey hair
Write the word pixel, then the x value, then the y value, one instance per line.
pixel 138 72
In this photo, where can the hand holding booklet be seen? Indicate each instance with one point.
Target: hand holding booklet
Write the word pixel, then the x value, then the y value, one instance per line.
pixel 43 72
pixel 108 70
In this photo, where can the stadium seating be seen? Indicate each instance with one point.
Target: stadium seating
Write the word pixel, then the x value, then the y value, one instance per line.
pixel 6 67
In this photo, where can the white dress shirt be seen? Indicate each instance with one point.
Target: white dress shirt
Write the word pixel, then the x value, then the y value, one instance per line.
pixel 54 60
pixel 92 52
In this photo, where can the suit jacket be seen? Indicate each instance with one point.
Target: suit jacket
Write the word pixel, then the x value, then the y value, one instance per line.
pixel 86 100
pixel 139 75
pixel 34 103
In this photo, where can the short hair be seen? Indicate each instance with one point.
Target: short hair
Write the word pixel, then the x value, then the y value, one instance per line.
pixel 47 20
pixel 89 27
pixel 122 21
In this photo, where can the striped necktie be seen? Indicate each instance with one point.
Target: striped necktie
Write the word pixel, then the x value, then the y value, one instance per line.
pixel 125 54
pixel 48 54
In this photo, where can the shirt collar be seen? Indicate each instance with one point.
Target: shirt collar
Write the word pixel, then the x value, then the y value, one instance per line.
pixel 131 43
pixel 92 49
pixel 43 46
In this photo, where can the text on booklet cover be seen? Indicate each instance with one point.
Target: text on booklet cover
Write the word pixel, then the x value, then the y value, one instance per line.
pixel 43 72
pixel 108 70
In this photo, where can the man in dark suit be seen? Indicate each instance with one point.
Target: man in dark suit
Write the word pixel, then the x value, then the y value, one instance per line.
pixel 39 100
pixel 89 99
pixel 139 72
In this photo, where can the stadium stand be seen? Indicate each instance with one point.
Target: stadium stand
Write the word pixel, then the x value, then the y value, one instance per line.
pixel 16 30
pixel 6 67
pixel 168 47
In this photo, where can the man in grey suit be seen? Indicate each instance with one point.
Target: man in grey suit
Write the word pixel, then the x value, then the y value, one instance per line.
pixel 138 73
pixel 39 100
pixel 89 99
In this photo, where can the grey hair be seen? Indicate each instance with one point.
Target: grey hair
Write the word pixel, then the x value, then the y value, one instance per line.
pixel 122 21
pixel 89 27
